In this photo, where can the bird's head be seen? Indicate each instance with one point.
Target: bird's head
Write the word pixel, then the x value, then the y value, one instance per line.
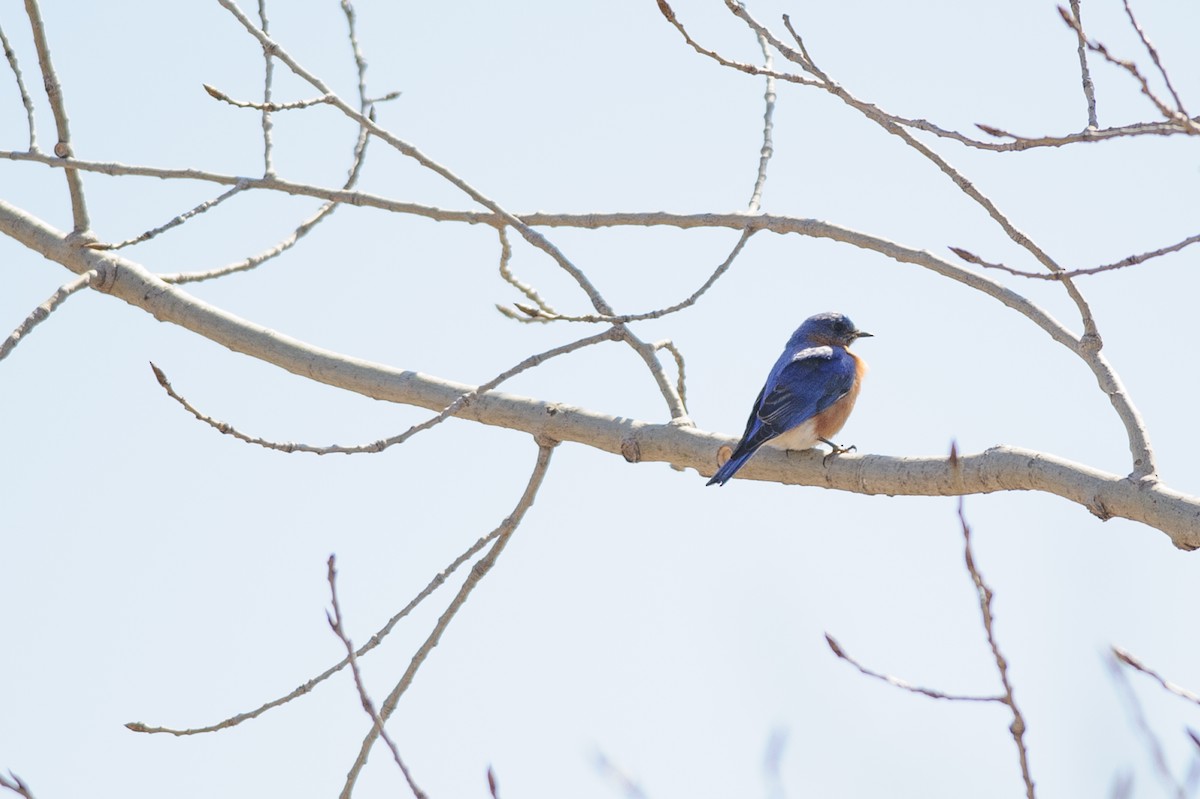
pixel 829 329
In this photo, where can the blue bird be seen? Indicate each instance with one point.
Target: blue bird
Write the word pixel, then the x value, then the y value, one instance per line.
pixel 809 393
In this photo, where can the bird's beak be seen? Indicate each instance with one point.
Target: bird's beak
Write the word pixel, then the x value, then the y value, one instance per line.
pixel 863 334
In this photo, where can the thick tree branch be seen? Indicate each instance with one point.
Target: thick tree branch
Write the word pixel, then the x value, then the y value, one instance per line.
pixel 998 469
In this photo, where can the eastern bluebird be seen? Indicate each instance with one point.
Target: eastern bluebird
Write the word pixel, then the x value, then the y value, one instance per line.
pixel 809 393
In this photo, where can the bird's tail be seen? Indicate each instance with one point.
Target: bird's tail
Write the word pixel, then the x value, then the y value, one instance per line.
pixel 731 466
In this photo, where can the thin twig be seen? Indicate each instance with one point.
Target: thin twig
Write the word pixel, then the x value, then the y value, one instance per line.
pixel 268 75
pixel 543 308
pixel 630 788
pixel 40 313
pixel 1091 343
pixel 360 61
pixel 1157 754
pixel 335 623
pixel 1089 89
pixel 477 573
pixel 296 105
pixel 885 121
pixel 681 384
pixel 1132 68
pixel 1019 142
pixel 1143 456
pixel 382 444
pixel 63 148
pixel 366 105
pixel 665 387
pixel 438 580
pixel 544 315
pixel 207 205
pixel 773 764
pixel 591 221
pixel 1126 657
pixel 594 221
pixel 1130 260
pixel 493 783
pixel 768 147
pixel 528 233
pixel 26 101
pixel 1017 728
pixel 904 684
pixel 1153 54
pixel 749 69
pixel 408 150
pixel 17 785
pixel 285 244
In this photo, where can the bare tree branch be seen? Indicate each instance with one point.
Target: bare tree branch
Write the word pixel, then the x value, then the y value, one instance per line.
pixel 1139 496
pixel 43 311
pixel 358 158
pixel 1142 455
pixel 1019 143
pixel 478 572
pixel 904 684
pixel 1017 728
pixel 1128 658
pixel 544 313
pixel 1089 89
pixel 15 784
pixel 681 380
pixel 749 69
pixel 1177 116
pixel 1157 755
pixel 1131 260
pixel 629 787
pixel 438 580
pixel 382 444
pixel 207 205
pixel 297 105
pixel 11 56
pixel 1000 468
pixel 768 147
pixel 63 148
pixel 335 622
pixel 268 77
pixel 1151 50
pixel 493 783
pixel 529 234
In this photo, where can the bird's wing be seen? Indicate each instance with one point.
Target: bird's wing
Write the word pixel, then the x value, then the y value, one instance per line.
pixel 753 422
pixel 810 382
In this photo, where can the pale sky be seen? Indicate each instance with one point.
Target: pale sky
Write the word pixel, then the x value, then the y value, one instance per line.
pixel 157 571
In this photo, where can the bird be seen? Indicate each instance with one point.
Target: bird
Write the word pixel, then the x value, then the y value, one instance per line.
pixel 808 395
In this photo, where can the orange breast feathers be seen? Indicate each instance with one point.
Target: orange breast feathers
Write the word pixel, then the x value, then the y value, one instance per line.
pixel 833 418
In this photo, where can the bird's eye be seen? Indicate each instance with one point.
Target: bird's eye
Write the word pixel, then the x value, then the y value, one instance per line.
pixel 839 327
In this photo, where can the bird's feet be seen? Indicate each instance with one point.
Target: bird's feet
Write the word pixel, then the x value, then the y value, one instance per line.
pixel 835 450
